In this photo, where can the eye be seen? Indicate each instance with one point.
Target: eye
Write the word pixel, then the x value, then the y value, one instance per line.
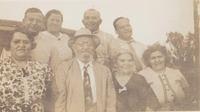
pixel 31 19
pixel 26 42
pixel 16 41
pixel 122 60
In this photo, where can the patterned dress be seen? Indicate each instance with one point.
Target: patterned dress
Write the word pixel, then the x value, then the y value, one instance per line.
pixel 23 90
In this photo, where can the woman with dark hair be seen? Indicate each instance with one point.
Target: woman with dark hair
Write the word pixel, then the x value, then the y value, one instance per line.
pixel 168 84
pixel 23 82
pixel 133 92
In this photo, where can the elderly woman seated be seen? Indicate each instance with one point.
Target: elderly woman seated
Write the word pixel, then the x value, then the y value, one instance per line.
pixel 23 82
pixel 133 92
pixel 168 84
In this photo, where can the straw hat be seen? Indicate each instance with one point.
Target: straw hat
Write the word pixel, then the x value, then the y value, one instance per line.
pixel 83 32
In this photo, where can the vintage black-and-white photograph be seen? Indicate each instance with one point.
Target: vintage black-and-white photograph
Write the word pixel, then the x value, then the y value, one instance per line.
pixel 99 55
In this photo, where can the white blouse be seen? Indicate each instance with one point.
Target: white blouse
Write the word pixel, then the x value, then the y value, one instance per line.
pixel 175 78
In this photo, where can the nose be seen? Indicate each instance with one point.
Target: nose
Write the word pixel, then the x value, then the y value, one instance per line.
pixel 157 59
pixel 34 22
pixel 85 47
pixel 21 45
pixel 54 22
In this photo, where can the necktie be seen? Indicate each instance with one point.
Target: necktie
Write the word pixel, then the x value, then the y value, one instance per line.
pixel 136 59
pixel 87 89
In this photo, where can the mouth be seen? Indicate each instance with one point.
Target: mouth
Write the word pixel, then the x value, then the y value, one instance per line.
pixel 21 50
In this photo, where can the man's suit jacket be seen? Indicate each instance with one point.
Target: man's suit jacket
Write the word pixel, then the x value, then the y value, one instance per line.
pixel 70 88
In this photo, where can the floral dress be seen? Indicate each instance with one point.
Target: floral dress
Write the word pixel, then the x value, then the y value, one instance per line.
pixel 23 90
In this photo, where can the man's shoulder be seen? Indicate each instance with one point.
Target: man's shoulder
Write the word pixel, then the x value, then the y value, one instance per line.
pixel 43 35
pixel 108 36
pixel 101 67
pixel 65 36
pixel 140 44
pixel 66 63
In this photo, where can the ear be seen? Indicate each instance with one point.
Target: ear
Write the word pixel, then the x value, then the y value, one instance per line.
pixel 23 20
pixel 33 46
pixel 73 46
pixel 116 31
pixel 83 21
pixel 100 21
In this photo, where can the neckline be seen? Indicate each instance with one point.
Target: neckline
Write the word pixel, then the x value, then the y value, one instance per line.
pixel 119 86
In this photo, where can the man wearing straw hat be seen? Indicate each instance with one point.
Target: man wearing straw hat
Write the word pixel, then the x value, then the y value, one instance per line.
pixel 84 85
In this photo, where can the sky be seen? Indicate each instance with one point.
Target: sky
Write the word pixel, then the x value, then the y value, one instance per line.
pixel 150 19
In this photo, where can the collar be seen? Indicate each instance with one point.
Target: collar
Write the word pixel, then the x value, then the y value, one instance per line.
pixel 81 64
pixel 53 36
pixel 128 41
pixel 96 32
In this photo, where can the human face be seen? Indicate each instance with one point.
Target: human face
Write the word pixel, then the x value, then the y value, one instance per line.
pixel 125 63
pixel 54 23
pixel 34 22
pixel 157 61
pixel 123 29
pixel 84 49
pixel 92 20
pixel 20 46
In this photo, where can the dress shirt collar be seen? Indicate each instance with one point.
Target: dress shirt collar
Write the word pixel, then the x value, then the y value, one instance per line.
pixel 127 41
pixel 59 37
pixel 82 65
pixel 95 32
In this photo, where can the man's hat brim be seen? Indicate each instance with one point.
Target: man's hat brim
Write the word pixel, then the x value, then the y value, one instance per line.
pixel 95 39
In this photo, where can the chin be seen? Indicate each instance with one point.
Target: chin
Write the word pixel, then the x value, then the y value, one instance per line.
pixel 85 57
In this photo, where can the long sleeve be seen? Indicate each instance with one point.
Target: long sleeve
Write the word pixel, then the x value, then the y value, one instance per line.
pixel 151 99
pixel 61 88
pixel 111 94
pixel 141 95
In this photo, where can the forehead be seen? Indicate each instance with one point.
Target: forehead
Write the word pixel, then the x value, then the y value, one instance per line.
pixel 20 36
pixel 122 22
pixel 125 56
pixel 57 16
pixel 84 39
pixel 92 13
pixel 34 15
pixel 156 53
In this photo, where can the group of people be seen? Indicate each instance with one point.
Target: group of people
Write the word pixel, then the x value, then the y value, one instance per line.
pixel 45 70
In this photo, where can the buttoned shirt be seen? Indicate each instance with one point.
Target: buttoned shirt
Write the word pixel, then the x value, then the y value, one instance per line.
pixel 176 80
pixel 90 71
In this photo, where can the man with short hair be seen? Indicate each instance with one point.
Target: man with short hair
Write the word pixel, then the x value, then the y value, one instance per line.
pixel 125 40
pixel 92 21
pixel 83 84
pixel 33 21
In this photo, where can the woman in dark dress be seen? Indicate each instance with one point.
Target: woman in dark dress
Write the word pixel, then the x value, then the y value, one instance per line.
pixel 133 92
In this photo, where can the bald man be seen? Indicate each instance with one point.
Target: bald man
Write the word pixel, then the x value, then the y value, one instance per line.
pixel 92 21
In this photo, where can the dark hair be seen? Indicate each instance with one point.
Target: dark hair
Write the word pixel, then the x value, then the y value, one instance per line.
pixel 21 29
pixel 155 47
pixel 53 11
pixel 32 10
pixel 117 19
